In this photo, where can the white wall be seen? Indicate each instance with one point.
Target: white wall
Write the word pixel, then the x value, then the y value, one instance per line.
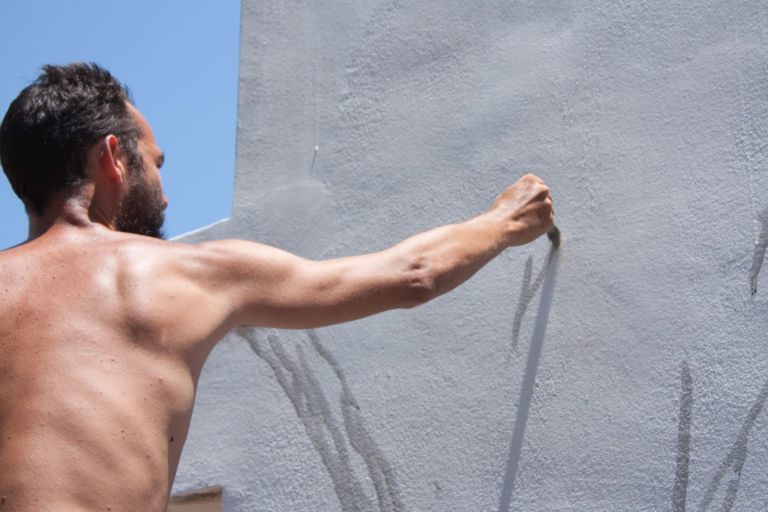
pixel 631 375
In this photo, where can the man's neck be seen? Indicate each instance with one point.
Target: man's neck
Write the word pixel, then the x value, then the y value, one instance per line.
pixel 71 212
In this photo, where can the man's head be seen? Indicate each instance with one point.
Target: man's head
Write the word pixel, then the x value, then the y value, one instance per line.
pixel 142 205
pixel 49 129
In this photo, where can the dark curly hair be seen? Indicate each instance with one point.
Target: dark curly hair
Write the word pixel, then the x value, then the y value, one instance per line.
pixel 50 126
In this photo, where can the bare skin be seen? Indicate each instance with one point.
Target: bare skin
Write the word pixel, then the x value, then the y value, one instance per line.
pixel 103 334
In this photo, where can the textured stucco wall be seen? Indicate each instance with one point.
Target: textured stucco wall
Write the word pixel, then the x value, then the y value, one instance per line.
pixel 363 122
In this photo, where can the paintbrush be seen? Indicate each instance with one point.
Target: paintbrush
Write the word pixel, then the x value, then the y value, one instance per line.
pixel 554 237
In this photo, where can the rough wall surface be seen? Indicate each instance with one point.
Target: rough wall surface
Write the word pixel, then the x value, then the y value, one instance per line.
pixel 627 372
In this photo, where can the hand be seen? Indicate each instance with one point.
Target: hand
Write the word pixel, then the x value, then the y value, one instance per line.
pixel 526 210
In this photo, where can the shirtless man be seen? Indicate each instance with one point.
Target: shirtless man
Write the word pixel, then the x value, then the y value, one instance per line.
pixel 104 329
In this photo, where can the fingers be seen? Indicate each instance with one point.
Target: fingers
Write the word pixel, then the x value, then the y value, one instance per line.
pixel 549 203
pixel 542 192
pixel 533 208
pixel 547 213
pixel 537 184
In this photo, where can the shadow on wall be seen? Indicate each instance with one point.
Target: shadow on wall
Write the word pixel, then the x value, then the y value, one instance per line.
pixel 760 247
pixel 547 277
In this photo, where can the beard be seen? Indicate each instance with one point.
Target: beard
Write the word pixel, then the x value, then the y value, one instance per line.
pixel 141 209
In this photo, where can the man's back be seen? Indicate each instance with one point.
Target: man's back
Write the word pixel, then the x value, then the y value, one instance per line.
pixel 98 378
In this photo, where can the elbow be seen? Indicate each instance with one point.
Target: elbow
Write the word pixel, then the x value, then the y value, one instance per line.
pixel 420 283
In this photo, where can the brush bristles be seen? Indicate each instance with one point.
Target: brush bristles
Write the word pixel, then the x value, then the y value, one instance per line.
pixel 554 237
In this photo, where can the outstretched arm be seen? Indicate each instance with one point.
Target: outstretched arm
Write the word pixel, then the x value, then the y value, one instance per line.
pixel 267 287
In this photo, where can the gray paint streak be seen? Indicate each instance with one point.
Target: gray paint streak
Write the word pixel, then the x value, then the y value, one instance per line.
pixel 312 405
pixel 312 408
pixel 735 458
pixel 379 469
pixel 527 293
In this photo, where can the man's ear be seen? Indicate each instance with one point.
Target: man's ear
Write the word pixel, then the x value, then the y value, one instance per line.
pixel 110 159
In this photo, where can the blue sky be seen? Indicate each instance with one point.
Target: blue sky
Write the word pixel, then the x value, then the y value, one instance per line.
pixel 180 61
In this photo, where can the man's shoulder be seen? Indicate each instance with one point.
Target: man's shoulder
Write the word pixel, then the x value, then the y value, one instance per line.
pixel 95 242
pixel 197 262
pixel 152 256
pixel 126 251
pixel 144 245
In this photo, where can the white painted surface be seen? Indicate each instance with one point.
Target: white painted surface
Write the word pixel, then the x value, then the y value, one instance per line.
pixel 649 120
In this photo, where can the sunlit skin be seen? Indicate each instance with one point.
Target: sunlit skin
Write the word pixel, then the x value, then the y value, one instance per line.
pixel 103 334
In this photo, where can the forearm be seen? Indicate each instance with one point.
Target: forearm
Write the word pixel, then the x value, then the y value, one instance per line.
pixel 410 273
pixel 449 255
pixel 442 258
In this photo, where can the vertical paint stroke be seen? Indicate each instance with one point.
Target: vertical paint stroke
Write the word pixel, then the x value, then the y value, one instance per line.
pixel 526 296
pixel 734 459
pixel 761 244
pixel 529 379
pixel 379 469
pixel 348 488
pixel 298 381
pixel 683 439
pixel 311 406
